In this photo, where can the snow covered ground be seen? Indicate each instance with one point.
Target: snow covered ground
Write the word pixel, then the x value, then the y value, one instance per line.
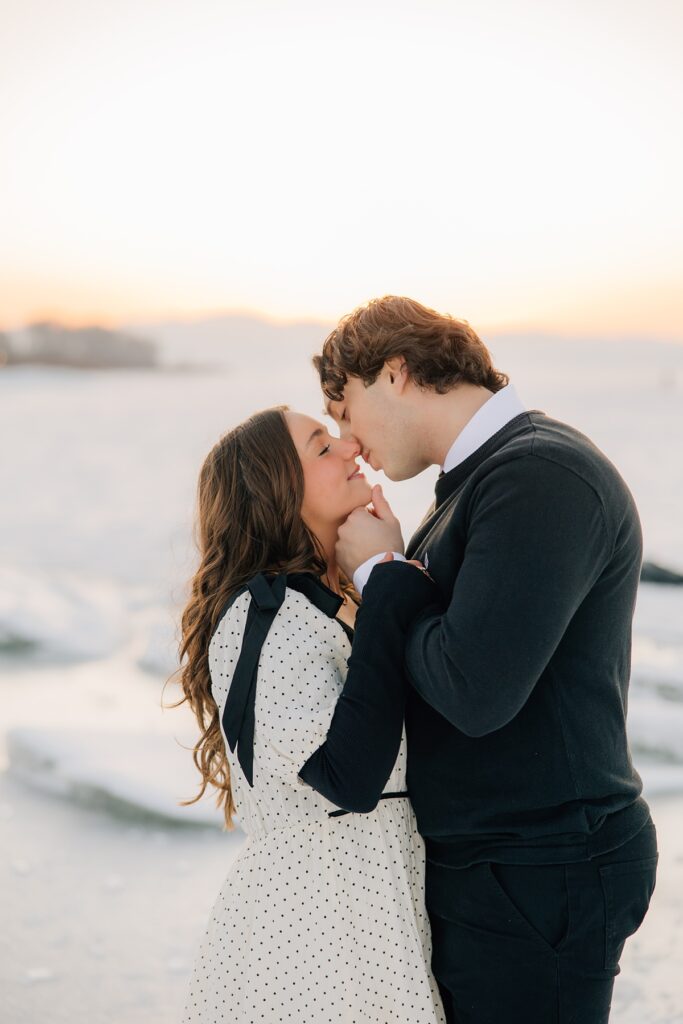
pixel 102 915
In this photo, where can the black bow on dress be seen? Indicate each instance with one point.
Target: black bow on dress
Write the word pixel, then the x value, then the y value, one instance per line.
pixel 267 596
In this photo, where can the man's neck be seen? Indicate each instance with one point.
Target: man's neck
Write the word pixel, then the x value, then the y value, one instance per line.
pixel 490 418
pixel 444 417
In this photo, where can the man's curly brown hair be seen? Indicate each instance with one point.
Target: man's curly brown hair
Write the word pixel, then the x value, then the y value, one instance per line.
pixel 440 352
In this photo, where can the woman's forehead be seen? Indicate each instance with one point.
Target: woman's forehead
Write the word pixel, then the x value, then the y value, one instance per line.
pixel 302 426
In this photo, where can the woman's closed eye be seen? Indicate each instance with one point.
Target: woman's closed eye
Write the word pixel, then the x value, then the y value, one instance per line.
pixel 325 449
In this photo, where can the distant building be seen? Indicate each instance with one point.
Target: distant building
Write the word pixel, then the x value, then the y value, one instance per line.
pixel 4 349
pixel 86 347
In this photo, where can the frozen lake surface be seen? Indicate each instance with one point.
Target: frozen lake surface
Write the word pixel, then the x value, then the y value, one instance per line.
pixel 108 892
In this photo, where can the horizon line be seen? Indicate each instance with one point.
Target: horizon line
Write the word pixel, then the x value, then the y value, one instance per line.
pixel 497 329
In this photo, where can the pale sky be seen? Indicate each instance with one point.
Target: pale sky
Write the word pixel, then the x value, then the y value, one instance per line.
pixel 518 164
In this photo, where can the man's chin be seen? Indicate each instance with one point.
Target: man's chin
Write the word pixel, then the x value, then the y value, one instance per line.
pixel 398 473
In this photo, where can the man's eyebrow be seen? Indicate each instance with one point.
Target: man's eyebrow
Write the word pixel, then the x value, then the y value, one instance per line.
pixel 316 433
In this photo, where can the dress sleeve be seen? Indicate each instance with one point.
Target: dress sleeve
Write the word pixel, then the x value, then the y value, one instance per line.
pixel 298 683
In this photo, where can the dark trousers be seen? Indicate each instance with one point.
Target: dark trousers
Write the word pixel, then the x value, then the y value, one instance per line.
pixel 528 944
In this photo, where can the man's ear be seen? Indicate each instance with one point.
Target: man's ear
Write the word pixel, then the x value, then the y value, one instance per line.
pixel 398 372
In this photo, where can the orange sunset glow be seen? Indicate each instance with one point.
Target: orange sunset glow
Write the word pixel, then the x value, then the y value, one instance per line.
pixel 516 165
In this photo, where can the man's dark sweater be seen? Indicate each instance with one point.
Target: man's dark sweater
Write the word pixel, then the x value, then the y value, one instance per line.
pixel 518 654
pixel 516 722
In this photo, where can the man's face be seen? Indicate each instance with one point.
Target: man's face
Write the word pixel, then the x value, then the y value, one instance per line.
pixel 378 418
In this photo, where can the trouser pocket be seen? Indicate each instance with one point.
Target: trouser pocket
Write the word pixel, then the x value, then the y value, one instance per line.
pixel 538 896
pixel 627 887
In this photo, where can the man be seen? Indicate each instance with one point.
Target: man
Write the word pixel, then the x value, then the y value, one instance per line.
pixel 541 852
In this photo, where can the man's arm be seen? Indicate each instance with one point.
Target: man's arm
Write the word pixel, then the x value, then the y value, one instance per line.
pixel 352 766
pixel 536 543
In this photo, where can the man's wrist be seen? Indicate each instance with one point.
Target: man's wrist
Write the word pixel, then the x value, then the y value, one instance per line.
pixel 362 573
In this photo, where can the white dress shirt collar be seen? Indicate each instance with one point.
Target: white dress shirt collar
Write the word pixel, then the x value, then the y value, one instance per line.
pixel 487 421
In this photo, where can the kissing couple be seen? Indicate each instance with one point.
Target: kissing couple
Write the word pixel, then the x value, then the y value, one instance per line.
pixel 425 744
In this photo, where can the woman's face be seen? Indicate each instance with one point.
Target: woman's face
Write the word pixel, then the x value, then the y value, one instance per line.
pixel 333 483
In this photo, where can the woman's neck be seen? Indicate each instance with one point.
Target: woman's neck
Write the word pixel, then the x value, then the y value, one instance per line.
pixel 328 540
pixel 331 577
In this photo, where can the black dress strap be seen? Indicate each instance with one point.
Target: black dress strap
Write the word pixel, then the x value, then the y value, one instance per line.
pixel 267 596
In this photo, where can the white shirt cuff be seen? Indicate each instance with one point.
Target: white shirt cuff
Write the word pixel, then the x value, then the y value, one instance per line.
pixel 362 573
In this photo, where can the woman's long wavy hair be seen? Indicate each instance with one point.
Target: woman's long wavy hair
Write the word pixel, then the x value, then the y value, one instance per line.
pixel 248 520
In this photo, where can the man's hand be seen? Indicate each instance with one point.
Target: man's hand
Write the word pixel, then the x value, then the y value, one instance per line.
pixel 367 532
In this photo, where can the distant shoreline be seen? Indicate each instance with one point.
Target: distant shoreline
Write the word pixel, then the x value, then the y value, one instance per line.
pixel 52 344
pixel 195 368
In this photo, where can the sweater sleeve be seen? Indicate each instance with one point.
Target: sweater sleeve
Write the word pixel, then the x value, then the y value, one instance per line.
pixel 535 545
pixel 352 766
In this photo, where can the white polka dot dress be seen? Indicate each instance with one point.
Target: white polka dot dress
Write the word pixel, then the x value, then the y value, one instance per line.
pixel 320 920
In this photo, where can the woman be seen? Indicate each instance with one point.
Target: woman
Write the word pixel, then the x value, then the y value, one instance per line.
pixel 321 917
